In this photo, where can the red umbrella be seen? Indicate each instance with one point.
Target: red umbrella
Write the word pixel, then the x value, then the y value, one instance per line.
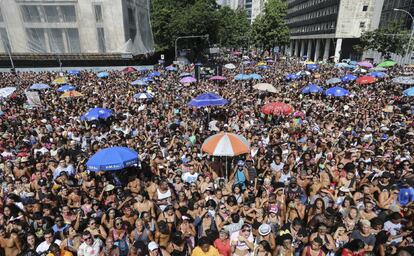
pixel 128 70
pixel 366 80
pixel 277 109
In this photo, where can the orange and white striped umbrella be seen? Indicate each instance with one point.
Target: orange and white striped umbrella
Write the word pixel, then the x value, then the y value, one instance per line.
pixel 226 144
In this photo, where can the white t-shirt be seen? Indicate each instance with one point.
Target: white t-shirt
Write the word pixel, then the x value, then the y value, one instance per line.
pixel 393 229
pixel 234 240
pixel 44 246
pixel 94 250
pixel 190 178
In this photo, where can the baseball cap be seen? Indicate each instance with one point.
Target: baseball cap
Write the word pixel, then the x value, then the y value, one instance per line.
pixel 152 246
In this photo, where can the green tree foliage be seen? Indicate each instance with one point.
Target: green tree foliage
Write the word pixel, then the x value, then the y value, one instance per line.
pixel 390 39
pixel 173 18
pixel 269 29
pixel 233 27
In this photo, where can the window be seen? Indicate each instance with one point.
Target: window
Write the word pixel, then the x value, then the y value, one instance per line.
pixel 72 40
pixel 30 13
pixel 362 24
pixel 51 13
pixel 56 42
pixel 365 8
pixel 101 40
pixel 5 39
pixel 98 13
pixel 68 13
pixel 36 40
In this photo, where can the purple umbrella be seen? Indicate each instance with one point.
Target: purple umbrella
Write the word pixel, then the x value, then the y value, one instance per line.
pixel 217 78
pixel 365 64
pixel 188 80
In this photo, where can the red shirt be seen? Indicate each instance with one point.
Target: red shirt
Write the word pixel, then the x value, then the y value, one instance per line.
pixel 223 248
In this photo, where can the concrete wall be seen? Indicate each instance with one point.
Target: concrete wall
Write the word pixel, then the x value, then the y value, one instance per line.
pixel 351 15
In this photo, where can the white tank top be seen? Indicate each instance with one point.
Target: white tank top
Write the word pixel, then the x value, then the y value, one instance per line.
pixel 165 195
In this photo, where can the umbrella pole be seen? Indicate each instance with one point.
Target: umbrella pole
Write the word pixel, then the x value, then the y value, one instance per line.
pixel 227 174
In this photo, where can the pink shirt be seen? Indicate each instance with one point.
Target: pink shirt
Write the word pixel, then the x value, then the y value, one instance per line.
pixel 223 248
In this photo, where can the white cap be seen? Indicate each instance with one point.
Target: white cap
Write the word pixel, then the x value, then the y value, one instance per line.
pixel 152 246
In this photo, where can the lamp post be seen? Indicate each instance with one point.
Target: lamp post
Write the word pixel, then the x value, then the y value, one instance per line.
pixel 183 37
pixel 408 52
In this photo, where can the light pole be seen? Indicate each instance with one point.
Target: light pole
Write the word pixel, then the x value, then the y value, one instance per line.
pixel 408 51
pixel 183 37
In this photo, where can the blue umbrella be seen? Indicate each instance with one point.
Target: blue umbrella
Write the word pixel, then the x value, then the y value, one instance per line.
pixel 142 69
pixel 185 74
pixel 264 67
pixel 409 92
pixel 66 87
pixel 312 66
pixel 312 88
pixel 139 82
pixel 147 79
pixel 333 81
pixel 407 80
pixel 353 63
pixel 96 113
pixel 39 87
pixel 111 159
pixel 74 72
pixel 377 74
pixel 143 95
pixel 103 74
pixel 154 73
pixel 255 76
pixel 242 77
pixel 207 99
pixel 349 78
pixel 292 77
pixel 337 92
pixel 171 68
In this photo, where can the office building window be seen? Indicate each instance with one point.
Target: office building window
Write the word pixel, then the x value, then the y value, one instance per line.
pixel 101 39
pixel 362 24
pixel 365 8
pixel 98 13
pixel 56 41
pixel 30 13
pixel 68 13
pixel 5 39
pixel 51 13
pixel 36 40
pixel 72 40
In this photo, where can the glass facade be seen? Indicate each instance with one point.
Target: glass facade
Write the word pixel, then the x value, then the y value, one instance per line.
pixel 388 14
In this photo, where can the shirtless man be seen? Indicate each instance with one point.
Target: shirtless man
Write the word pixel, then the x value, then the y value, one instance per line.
pixel 74 199
pixel 11 245
pixel 144 205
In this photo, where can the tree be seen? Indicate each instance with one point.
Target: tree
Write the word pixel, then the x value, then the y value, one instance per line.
pixel 391 39
pixel 269 28
pixel 233 27
pixel 173 18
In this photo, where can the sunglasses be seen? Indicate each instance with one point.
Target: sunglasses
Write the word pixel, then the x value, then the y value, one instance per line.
pixel 87 238
pixel 222 208
pixel 118 223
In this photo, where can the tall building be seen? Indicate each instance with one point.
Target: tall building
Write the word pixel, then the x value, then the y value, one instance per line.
pixel 386 15
pixel 323 28
pixel 253 7
pixel 75 27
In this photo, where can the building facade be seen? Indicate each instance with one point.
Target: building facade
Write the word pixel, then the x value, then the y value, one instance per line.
pixel 75 26
pixel 386 15
pixel 323 28
pixel 253 7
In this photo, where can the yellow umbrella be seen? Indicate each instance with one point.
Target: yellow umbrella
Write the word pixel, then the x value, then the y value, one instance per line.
pixel 410 66
pixel 261 63
pixel 309 62
pixel 71 94
pixel 60 80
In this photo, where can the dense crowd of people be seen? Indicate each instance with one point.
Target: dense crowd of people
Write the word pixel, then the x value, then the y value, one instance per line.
pixel 336 178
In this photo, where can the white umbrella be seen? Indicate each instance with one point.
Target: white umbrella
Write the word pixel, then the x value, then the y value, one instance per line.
pixel 265 87
pixel 230 66
pixel 7 91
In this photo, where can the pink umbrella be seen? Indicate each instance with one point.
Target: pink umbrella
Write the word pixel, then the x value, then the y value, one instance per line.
pixel 365 64
pixel 217 78
pixel 299 114
pixel 188 80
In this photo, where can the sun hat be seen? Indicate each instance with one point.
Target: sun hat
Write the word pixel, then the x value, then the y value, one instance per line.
pixel 152 246
pixel 264 229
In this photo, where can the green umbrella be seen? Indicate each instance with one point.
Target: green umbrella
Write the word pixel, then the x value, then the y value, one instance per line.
pixel 387 64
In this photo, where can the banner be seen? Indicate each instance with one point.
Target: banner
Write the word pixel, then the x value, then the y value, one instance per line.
pixel 33 98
